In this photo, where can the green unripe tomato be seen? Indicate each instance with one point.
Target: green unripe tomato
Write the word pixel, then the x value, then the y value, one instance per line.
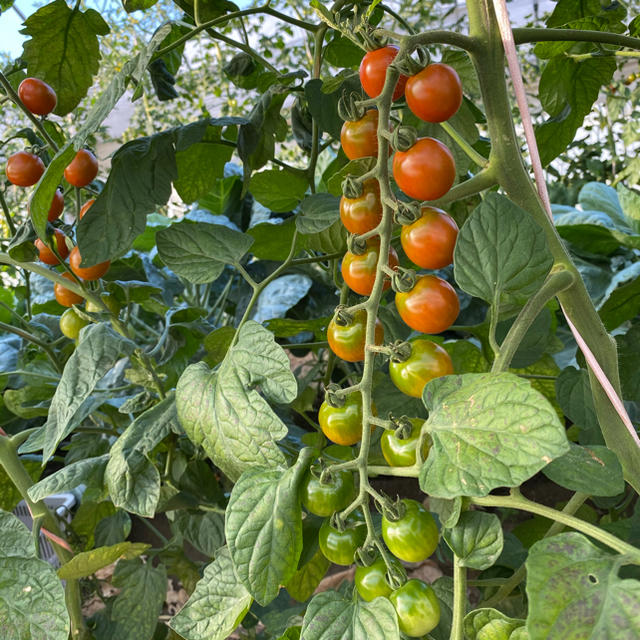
pixel 110 302
pixel 71 323
pixel 339 547
pixel 325 499
pixel 371 582
pixel 414 537
pixel 417 608
pixel 402 453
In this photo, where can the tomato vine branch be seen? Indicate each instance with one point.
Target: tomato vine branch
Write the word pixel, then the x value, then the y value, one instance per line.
pixel 459 599
pixel 528 35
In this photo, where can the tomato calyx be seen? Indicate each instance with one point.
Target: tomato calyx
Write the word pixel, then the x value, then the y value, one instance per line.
pixel 349 108
pixel 400 351
pixel 409 65
pixel 357 245
pixel 333 396
pixel 352 187
pixel 402 427
pixel 394 511
pixel 403 280
pixel 407 213
pixel 403 138
pixel 342 316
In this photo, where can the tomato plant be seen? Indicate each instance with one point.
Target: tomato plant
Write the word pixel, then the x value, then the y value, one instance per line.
pixel 37 96
pixel 359 138
pixel 359 270
pixel 430 240
pixel 363 213
pixel 24 169
pixel 49 257
pixel 373 71
pixel 435 93
pixel 413 537
pixel 82 169
pixel 347 341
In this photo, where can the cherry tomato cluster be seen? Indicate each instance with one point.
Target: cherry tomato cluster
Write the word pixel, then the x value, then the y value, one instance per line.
pixel 24 169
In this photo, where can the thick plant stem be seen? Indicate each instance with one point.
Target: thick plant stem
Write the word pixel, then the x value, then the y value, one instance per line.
pixel 558 281
pixel 459 599
pixel 524 35
pixel 508 166
pixel 10 462
pixel 524 504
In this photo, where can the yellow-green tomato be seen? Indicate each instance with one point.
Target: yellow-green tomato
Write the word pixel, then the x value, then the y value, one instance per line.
pixel 417 608
pixel 110 302
pixel 414 537
pixel 371 582
pixel 402 452
pixel 71 323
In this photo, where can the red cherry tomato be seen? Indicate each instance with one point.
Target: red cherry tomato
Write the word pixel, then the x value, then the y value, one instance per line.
pixel 24 169
pixel 85 207
pixel 359 271
pixel 373 71
pixel 57 205
pixel 37 96
pixel 359 138
pixel 46 255
pixel 430 240
pixel 363 213
pixel 431 306
pixel 347 341
pixel 87 273
pixel 426 171
pixel 426 362
pixel 434 94
pixel 64 296
pixel 82 169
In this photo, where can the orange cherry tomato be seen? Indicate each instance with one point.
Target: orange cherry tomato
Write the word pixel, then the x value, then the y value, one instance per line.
pixel 426 171
pixel 24 169
pixel 87 273
pixel 435 93
pixel 359 271
pixel 431 306
pixel 82 169
pixel 57 205
pixel 46 255
pixel 373 71
pixel 85 207
pixel 363 213
pixel 430 240
pixel 343 425
pixel 359 138
pixel 64 296
pixel 37 96
pixel 347 341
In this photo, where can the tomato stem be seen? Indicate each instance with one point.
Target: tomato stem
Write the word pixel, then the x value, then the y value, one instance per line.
pixel 459 599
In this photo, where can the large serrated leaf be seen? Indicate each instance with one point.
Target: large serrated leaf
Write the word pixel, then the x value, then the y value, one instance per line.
pixel 488 431
pixel 330 616
pixel 204 530
pixel 501 254
pixel 490 624
pixel 476 539
pixel 318 212
pixel 199 251
pixel 574 592
pixel 218 604
pixel 223 411
pixel 278 189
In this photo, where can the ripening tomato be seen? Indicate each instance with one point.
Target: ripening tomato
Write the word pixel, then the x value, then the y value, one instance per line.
pixel 339 547
pixel 363 213
pixel 373 71
pixel 85 207
pixel 426 362
pixel 371 582
pixel 57 205
pixel 64 296
pixel 87 273
pixel 347 341
pixel 431 306
pixel 110 302
pixel 71 323
pixel 430 240
pixel 46 255
pixel 402 453
pixel 417 608
pixel 359 138
pixel 24 169
pixel 37 96
pixel 435 93
pixel 426 171
pixel 324 499
pixel 359 271
pixel 82 169
pixel 414 537
pixel 343 425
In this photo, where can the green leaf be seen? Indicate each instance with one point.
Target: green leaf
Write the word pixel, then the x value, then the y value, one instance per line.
pixel 630 203
pixel 305 580
pixel 488 431
pixel 224 412
pixel 318 212
pixel 490 624
pixel 448 510
pixel 574 397
pixel 89 472
pixel 278 189
pixel 9 494
pixel 272 239
pixel 324 106
pixel 96 354
pixel 217 344
pixel 263 527
pixel 280 295
pixel 476 539
pixel 594 470
pixel 330 615
pixel 444 591
pixel 574 592
pixel 204 530
pixel 354 168
pixel 331 240
pixel 63 50
pixel 621 300
pixel 132 479
pixel 88 516
pixel 199 251
pixel 595 196
pixel 87 563
pixel 466 357
pixel 629 356
pixel 501 254
pixel 32 604
pixel 218 604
